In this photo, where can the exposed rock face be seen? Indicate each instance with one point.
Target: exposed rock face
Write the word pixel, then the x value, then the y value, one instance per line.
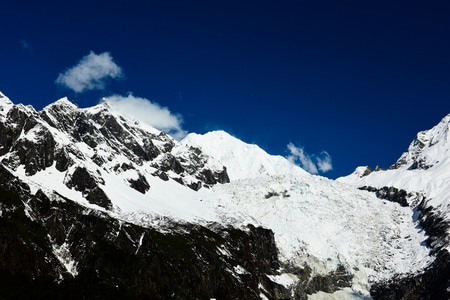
pixel 436 227
pixel 63 160
pixel 31 143
pixel 390 193
pixel 310 284
pixel 81 180
pixel 140 184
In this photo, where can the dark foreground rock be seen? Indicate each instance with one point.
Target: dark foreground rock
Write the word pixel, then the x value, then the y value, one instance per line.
pixel 54 248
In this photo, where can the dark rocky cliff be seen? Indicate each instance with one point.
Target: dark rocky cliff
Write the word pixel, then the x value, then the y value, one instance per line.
pixel 50 248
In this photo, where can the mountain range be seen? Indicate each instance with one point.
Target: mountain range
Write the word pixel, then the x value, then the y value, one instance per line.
pixel 97 205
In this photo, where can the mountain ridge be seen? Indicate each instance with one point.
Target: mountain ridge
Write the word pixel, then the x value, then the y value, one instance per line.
pixel 315 236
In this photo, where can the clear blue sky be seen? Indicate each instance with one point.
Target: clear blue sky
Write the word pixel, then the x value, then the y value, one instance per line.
pixel 356 79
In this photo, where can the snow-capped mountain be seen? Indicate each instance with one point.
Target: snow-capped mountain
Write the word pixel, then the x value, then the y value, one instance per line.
pixel 207 217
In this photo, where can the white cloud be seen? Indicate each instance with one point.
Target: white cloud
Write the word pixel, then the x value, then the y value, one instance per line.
pixel 148 112
pixel 310 163
pixel 91 72
pixel 324 162
pixel 298 155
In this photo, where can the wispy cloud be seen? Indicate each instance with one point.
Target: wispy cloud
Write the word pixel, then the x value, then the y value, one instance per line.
pixel 149 112
pixel 91 73
pixel 311 163
pixel 25 45
pixel 324 162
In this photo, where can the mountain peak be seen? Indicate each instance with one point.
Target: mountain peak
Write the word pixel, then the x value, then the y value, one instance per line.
pixel 62 103
pixel 241 159
pixel 221 134
pixel 5 103
pixel 104 103
pixel 428 148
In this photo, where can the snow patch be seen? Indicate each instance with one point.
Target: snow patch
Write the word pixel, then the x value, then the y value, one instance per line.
pixel 64 256
pixel 286 279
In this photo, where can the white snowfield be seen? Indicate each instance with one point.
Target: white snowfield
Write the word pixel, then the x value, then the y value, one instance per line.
pixel 316 221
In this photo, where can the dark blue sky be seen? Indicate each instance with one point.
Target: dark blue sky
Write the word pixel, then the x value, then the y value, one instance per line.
pixel 357 79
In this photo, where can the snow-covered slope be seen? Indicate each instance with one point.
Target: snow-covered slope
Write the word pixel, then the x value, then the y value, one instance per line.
pixel 317 221
pixel 136 173
pixel 316 225
pixel 424 169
